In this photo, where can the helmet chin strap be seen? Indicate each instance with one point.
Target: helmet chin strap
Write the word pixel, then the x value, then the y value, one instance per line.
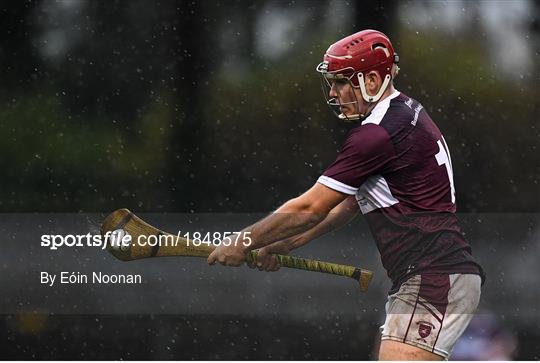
pixel 357 116
pixel 354 117
pixel 332 102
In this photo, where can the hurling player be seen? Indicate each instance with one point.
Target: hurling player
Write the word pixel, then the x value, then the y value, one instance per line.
pixel 394 168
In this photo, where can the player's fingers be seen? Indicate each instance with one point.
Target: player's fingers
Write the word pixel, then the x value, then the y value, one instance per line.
pixel 251 263
pixel 211 259
pixel 274 266
pixel 266 264
pixel 262 257
pixel 269 263
pixel 262 254
pixel 234 263
pixel 222 260
pixel 262 265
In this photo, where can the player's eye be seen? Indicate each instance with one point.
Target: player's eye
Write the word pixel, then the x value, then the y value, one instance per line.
pixel 336 80
pixel 338 83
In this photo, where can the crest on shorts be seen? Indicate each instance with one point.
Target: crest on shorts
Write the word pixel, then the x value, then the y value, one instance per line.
pixel 424 329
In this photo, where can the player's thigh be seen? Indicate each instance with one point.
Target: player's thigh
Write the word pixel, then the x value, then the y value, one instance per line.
pixel 392 350
pixel 429 312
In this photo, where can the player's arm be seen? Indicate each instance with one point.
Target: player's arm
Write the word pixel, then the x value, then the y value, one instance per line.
pixel 367 149
pixel 292 218
pixel 297 216
pixel 342 214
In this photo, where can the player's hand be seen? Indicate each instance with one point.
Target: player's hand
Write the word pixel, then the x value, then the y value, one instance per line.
pixel 266 261
pixel 231 255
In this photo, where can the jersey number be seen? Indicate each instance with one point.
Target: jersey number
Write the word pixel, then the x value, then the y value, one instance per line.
pixel 443 158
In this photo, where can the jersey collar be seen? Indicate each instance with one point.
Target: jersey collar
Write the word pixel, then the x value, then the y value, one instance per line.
pixel 380 109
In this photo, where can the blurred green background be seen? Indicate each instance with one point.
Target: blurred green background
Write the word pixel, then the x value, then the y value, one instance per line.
pixel 216 107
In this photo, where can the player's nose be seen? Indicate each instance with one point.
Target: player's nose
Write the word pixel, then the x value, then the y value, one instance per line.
pixel 333 92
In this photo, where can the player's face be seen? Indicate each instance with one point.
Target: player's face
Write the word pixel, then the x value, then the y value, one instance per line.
pixel 348 97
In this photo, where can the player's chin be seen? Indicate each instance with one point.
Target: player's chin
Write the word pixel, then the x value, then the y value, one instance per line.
pixel 346 111
pixel 347 114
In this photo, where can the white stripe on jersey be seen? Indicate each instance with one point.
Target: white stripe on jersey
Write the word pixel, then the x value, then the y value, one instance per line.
pixel 337 185
pixel 374 194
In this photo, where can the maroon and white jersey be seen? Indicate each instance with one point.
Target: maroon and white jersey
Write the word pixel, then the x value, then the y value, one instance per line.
pixel 398 166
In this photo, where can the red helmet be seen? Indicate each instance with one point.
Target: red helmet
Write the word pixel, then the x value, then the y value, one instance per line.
pixel 352 56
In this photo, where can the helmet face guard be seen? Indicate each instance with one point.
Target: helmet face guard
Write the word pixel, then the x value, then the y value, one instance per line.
pixel 338 79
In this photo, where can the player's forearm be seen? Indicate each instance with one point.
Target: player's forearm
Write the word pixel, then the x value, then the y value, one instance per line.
pixel 331 223
pixel 292 219
pixel 337 218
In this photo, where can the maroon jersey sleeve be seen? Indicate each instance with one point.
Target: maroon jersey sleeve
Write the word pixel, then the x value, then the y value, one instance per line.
pixel 365 152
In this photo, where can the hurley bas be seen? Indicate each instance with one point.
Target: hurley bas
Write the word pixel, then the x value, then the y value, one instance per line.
pixel 66 277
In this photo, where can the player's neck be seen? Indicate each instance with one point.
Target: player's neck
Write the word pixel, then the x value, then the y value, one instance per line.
pixel 389 91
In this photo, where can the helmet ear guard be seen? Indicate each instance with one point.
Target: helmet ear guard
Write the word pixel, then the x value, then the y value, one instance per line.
pixel 363 90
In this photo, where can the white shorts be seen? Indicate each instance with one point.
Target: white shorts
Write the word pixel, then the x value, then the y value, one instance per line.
pixel 431 311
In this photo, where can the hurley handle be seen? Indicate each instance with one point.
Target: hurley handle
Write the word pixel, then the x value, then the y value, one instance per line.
pixel 362 276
